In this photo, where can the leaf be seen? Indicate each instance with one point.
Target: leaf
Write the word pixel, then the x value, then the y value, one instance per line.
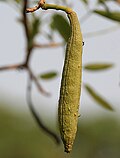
pixel 103 2
pixel 98 98
pixel 60 24
pixel 35 26
pixel 97 66
pixel 114 15
pixel 48 75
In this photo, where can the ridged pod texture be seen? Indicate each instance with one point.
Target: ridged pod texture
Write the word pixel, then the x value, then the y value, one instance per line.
pixel 71 85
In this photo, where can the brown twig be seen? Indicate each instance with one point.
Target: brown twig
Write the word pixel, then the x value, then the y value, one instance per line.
pixel 47 45
pixel 25 21
pixel 37 118
pixel 27 33
pixel 25 66
pixel 40 4
pixel 29 48
pixel 12 67
pixel 34 78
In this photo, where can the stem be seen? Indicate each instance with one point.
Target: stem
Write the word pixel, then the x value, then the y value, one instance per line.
pixel 35 115
pixel 12 67
pixel 57 7
pixel 49 45
pixel 25 20
pixel 50 6
pixel 37 83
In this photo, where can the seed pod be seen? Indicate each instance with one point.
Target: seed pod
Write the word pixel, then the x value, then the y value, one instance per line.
pixel 71 85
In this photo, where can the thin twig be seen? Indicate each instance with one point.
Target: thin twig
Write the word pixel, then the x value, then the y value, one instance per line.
pixel 40 4
pixel 25 22
pixel 25 65
pixel 27 33
pixel 47 45
pixel 12 67
pixel 37 83
pixel 37 118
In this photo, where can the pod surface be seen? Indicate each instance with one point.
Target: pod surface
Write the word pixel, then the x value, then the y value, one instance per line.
pixel 71 85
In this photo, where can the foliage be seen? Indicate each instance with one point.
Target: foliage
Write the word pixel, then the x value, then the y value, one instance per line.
pixel 97 66
pixel 98 98
pixel 112 15
pixel 60 24
pixel 93 143
pixel 48 75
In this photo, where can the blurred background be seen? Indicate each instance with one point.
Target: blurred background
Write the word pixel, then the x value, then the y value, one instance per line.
pixel 99 126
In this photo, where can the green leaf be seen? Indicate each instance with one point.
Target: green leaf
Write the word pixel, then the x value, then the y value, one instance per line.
pixel 60 24
pixel 48 75
pixel 114 15
pixel 97 66
pixel 103 2
pixel 35 26
pixel 98 98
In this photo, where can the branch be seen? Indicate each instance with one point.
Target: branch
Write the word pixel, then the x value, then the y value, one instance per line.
pixel 47 45
pixel 25 65
pixel 25 22
pixel 12 67
pixel 45 6
pixel 40 4
pixel 34 78
pixel 27 33
pixel 37 118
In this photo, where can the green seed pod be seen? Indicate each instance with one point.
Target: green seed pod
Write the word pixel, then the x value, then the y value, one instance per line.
pixel 71 85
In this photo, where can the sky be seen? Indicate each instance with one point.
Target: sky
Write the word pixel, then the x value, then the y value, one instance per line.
pixel 103 48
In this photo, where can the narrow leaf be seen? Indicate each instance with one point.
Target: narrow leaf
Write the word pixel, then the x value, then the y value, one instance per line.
pixel 97 66
pixel 60 24
pixel 48 75
pixel 114 15
pixel 36 23
pixel 98 98
pixel 34 28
